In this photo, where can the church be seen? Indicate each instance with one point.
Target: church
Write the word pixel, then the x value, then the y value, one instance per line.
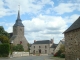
pixel 18 33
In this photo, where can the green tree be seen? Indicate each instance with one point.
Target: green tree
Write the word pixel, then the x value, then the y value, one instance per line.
pixel 3 32
pixel 4 36
pixel 62 48
pixel 4 39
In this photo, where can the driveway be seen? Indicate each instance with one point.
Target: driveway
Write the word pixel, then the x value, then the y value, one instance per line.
pixel 28 58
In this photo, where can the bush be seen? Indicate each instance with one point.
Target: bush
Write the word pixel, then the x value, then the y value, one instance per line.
pixel 58 53
pixel 18 47
pixel 4 50
pixel 62 55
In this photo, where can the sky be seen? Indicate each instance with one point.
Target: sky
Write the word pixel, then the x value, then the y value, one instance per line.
pixel 43 19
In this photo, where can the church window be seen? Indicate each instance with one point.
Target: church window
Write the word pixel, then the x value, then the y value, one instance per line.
pixel 20 42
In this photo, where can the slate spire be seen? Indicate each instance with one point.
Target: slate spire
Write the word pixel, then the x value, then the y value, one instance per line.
pixel 18 17
pixel 18 21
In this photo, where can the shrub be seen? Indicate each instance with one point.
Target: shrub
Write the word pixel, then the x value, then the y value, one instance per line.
pixel 18 47
pixel 4 50
pixel 62 55
pixel 57 54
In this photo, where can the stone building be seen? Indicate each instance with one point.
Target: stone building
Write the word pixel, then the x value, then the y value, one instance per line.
pixel 18 33
pixel 72 41
pixel 42 47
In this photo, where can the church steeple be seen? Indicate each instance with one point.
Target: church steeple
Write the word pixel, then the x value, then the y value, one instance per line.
pixel 18 17
pixel 18 21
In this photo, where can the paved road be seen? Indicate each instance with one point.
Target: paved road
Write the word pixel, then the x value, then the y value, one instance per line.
pixel 28 58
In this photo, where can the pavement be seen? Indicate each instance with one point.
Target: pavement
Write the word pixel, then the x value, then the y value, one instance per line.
pixel 28 58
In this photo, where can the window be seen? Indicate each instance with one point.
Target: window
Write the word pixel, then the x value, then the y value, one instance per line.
pixel 45 46
pixel 33 51
pixel 39 46
pixel 20 42
pixel 45 51
pixel 34 46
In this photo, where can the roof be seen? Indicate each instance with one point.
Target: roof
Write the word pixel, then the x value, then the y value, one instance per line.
pixel 54 46
pixel 12 38
pixel 42 42
pixel 18 21
pixel 63 42
pixel 74 26
pixel 11 34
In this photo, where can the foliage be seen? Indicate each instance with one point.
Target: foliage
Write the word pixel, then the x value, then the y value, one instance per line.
pixel 3 32
pixel 4 39
pixel 62 48
pixel 28 47
pixel 4 50
pixel 58 53
pixel 4 36
pixel 18 47
pixel 61 52
pixel 62 55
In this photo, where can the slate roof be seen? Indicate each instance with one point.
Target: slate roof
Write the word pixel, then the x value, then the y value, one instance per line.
pixel 11 34
pixel 74 26
pixel 54 46
pixel 12 38
pixel 18 21
pixel 42 42
pixel 63 42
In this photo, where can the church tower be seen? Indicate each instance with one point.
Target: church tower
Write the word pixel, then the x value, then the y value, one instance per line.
pixel 18 33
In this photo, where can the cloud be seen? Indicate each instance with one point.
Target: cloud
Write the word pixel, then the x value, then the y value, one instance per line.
pixel 28 6
pixel 71 19
pixel 64 8
pixel 44 27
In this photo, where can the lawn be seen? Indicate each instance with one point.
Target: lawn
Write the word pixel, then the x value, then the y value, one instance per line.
pixel 57 58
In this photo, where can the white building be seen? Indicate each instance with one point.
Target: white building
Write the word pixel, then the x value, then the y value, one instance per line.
pixel 42 47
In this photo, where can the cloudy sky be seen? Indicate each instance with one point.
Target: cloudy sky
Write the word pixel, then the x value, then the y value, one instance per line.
pixel 43 19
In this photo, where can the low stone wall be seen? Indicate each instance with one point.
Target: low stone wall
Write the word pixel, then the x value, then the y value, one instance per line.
pixel 19 54
pixel 43 54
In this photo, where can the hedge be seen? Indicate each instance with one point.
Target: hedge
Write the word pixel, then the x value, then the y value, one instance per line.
pixel 4 50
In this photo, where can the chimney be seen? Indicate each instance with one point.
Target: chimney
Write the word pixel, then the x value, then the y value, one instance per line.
pixel 34 41
pixel 52 41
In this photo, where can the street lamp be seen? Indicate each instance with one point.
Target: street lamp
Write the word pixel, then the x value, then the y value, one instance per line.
pixel 11 48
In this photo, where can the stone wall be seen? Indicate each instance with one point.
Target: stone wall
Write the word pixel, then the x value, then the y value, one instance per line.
pixel 19 54
pixel 72 45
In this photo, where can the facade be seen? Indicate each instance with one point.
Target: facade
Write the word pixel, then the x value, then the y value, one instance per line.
pixel 42 47
pixel 72 41
pixel 18 33
pixel 62 42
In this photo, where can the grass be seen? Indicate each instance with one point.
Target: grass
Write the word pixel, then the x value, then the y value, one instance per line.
pixel 57 58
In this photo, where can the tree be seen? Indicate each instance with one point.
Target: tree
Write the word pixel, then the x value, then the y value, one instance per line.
pixel 4 39
pixel 4 36
pixel 62 48
pixel 3 32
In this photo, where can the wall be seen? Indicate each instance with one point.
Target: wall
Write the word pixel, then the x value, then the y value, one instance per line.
pixel 72 45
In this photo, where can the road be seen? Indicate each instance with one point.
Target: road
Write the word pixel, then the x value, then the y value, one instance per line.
pixel 28 58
